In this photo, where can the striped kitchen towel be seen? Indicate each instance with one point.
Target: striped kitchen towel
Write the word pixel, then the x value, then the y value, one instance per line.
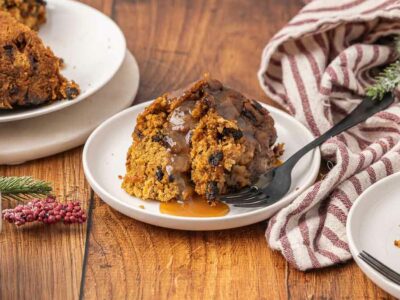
pixel 318 68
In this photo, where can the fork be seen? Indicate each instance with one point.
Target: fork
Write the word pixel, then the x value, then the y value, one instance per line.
pixel 273 185
pixel 380 267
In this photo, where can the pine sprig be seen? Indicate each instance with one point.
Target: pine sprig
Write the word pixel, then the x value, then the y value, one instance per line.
pixel 21 188
pixel 388 79
pixel 386 82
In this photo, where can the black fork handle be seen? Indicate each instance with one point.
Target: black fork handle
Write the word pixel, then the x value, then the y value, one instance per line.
pixel 363 111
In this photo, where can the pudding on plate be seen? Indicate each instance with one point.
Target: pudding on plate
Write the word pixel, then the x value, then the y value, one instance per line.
pixel 205 140
pixel 29 71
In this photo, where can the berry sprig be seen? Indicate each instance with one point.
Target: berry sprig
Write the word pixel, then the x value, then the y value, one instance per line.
pixel 47 211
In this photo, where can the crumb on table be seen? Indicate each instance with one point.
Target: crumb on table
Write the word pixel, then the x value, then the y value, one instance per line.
pixel 397 243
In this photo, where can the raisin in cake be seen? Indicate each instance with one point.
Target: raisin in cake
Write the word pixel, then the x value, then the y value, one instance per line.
pixel 207 140
pixel 29 71
pixel 32 13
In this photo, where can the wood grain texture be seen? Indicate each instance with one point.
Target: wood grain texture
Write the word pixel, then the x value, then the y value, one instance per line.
pixel 174 43
pixel 38 262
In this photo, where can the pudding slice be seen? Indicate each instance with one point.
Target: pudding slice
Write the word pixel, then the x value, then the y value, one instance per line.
pixel 29 71
pixel 32 13
pixel 206 140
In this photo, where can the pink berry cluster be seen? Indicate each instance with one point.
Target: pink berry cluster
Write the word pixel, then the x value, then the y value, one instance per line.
pixel 47 211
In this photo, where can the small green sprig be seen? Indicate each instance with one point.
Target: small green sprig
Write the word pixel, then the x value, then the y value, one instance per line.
pixel 21 188
pixel 388 79
pixel 386 82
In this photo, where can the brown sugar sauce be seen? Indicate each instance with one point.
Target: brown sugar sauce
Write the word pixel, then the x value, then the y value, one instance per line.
pixel 198 206
pixel 231 106
pixel 194 207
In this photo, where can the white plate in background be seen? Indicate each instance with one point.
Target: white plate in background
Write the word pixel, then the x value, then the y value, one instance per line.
pixel 62 130
pixel 104 160
pixel 373 225
pixel 91 45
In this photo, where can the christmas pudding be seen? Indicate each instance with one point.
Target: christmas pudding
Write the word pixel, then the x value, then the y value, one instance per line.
pixel 32 13
pixel 206 140
pixel 29 71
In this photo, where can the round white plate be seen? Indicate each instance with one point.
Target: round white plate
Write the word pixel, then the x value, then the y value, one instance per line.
pixel 53 133
pixel 104 160
pixel 91 45
pixel 373 225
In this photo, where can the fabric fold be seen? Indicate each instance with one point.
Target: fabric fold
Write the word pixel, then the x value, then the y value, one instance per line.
pixel 318 67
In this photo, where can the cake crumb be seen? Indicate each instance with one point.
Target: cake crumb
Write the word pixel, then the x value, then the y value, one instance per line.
pixel 397 243
pixel 142 206
pixel 120 177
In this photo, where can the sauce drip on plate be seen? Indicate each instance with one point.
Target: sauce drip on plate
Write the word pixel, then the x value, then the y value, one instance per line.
pixel 198 206
pixel 194 207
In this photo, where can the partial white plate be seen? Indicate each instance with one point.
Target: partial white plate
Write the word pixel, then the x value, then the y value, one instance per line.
pixel 53 133
pixel 104 160
pixel 373 225
pixel 91 44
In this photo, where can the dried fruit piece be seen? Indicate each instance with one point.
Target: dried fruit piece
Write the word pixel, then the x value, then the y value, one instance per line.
pixel 159 173
pixel 248 114
pixel 161 139
pixel 139 134
pixel 72 91
pixel 235 133
pixel 212 190
pixel 9 50
pixel 216 158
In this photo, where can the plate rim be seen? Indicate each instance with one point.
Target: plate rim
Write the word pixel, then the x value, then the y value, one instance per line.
pixel 373 275
pixel 316 159
pixel 80 138
pixel 61 104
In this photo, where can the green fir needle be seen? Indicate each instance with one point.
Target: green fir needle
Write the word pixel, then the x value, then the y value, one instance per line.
pixel 21 188
pixel 389 79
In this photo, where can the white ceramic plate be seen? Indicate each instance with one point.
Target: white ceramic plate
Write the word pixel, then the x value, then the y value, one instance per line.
pixel 373 225
pixel 104 160
pixel 62 130
pixel 92 46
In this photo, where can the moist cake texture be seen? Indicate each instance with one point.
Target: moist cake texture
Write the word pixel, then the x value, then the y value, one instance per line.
pixel 29 71
pixel 32 13
pixel 206 140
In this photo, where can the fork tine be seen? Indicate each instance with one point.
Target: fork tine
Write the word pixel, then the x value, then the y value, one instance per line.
pixel 382 268
pixel 249 198
pixel 257 202
pixel 253 204
pixel 378 269
pixel 386 268
pixel 242 193
pixel 236 196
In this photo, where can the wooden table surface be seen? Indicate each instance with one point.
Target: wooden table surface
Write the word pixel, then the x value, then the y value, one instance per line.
pixel 115 257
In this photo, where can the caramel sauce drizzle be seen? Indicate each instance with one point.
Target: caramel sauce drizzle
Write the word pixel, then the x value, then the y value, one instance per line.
pixel 194 207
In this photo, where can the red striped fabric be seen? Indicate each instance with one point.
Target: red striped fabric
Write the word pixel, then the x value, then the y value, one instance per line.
pixel 318 67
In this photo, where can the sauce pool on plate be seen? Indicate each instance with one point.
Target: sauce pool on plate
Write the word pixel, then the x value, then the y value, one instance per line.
pixel 198 206
pixel 195 207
